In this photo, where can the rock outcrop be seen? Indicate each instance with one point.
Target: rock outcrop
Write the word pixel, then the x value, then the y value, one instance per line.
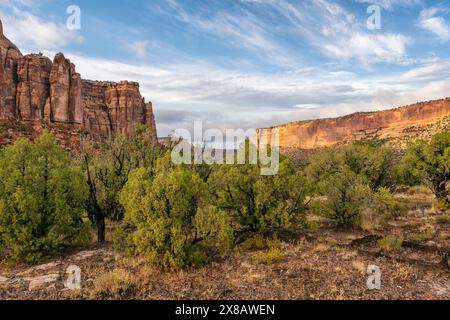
pixel 37 93
pixel 9 55
pixel 413 121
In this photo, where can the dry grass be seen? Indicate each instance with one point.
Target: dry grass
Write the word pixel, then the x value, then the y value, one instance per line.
pixel 273 255
pixel 405 272
pixel 443 219
pixel 390 243
pixel 115 284
pixel 419 190
pixel 322 247
pixel 443 235
pixel 423 235
pixel 359 266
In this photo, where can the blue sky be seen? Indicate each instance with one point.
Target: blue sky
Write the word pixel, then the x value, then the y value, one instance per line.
pixel 248 63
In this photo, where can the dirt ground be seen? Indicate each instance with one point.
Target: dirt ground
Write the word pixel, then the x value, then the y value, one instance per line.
pixel 323 263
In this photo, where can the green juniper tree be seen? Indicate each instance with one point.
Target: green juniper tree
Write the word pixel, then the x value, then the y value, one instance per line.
pixel 429 162
pixel 107 171
pixel 169 219
pixel 261 203
pixel 42 197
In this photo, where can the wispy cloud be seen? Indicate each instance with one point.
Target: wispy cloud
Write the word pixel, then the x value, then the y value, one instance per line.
pixel 337 33
pixel 140 48
pixel 30 32
pixel 391 4
pixel 189 88
pixel 229 99
pixel 241 29
pixel 428 20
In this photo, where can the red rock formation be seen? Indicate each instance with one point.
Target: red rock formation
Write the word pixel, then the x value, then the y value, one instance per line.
pixel 395 123
pixel 65 91
pixel 114 107
pixel 33 87
pixel 52 94
pixel 9 54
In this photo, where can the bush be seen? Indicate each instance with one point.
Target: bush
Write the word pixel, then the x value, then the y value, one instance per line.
pixel 170 220
pixel 346 197
pixel 107 171
pixel 42 196
pixel 419 190
pixel 390 243
pixel 427 162
pixel 375 163
pixel 387 205
pixel 443 219
pixel 271 256
pixel 425 234
pixel 369 161
pixel 323 164
pixel 259 203
pixel 116 284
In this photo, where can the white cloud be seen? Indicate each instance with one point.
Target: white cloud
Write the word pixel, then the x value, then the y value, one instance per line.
pixel 140 48
pixel 229 99
pixel 434 24
pixel 391 4
pixel 186 91
pixel 337 33
pixel 29 32
pixel 243 30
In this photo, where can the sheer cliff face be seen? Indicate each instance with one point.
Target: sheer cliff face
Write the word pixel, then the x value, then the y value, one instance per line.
pixel 404 122
pixel 9 55
pixel 36 92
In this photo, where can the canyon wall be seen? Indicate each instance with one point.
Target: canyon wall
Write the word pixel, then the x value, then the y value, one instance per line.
pixel 411 121
pixel 38 93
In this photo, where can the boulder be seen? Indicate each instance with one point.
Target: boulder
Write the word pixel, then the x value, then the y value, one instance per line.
pixel 42 282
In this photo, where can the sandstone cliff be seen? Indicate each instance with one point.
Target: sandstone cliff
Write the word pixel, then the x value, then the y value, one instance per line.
pixel 414 121
pixel 37 93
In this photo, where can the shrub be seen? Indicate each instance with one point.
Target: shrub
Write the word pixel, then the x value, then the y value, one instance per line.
pixel 258 242
pixel 107 171
pixel 116 284
pixel 369 161
pixel 359 266
pixel 391 243
pixel 419 190
pixel 323 164
pixel 386 203
pixel 271 256
pixel 444 235
pixel 42 196
pixel 170 220
pixel 346 197
pixel 443 219
pixel 375 163
pixel 424 234
pixel 428 162
pixel 261 203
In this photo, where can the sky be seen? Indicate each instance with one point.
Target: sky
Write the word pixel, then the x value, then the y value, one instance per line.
pixel 248 63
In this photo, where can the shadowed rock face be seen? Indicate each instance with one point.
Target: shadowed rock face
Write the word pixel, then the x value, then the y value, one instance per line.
pixel 395 123
pixel 9 55
pixel 36 92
